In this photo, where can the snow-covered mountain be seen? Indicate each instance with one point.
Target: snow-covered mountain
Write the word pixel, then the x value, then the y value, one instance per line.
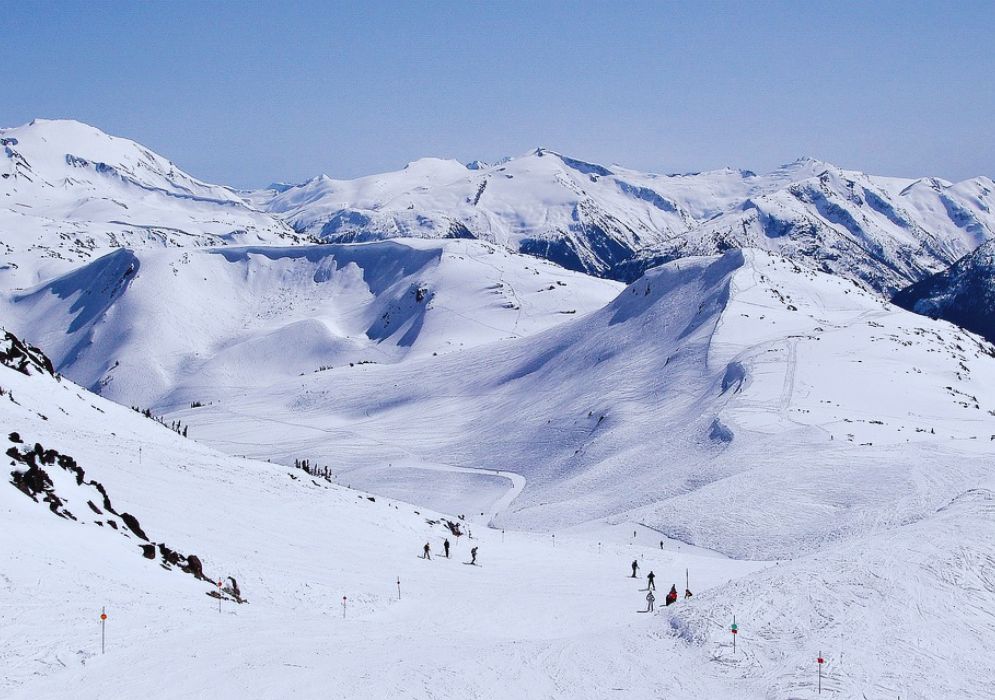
pixel 708 384
pixel 963 294
pixel 751 395
pixel 69 192
pixel 610 221
pixel 170 327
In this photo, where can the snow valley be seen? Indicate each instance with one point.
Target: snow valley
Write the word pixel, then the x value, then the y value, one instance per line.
pixel 564 366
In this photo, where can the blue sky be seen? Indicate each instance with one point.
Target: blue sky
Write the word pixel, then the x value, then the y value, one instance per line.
pixel 248 93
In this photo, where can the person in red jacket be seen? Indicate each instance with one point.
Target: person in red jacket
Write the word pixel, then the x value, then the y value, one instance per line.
pixel 672 596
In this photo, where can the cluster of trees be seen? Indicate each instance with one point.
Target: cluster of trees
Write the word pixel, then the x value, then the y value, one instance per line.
pixel 313 469
pixel 176 426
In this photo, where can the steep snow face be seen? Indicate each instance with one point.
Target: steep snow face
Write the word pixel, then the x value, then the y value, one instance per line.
pixel 69 192
pixel 963 294
pixel 615 222
pixel 709 383
pixel 170 327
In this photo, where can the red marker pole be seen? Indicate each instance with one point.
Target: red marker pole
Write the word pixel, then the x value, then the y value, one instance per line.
pixel 821 661
pixel 219 596
pixel 343 607
pixel 103 622
pixel 398 587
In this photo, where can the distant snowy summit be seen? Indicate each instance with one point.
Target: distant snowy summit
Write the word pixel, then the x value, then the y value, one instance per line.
pixel 884 233
pixel 70 192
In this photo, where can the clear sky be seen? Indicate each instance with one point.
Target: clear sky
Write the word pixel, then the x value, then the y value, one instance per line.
pixel 248 93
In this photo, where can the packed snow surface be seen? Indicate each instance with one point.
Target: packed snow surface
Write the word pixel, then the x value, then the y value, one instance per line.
pixel 339 604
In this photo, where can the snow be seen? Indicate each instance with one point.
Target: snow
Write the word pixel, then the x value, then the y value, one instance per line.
pixel 752 413
pixel 748 364
pixel 69 193
pixel 905 610
pixel 245 317
pixel 882 232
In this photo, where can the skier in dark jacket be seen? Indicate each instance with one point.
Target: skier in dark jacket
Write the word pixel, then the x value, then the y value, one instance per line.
pixel 672 596
pixel 473 555
pixel 445 546
pixel 635 565
pixel 650 584
pixel 426 551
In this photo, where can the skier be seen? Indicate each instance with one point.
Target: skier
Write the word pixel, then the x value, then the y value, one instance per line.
pixel 687 593
pixel 426 551
pixel 672 596
pixel 473 555
pixel 649 601
pixel 661 544
pixel 445 546
pixel 635 565
pixel 649 578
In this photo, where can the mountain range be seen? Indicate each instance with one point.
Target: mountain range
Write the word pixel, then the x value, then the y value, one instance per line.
pixel 769 387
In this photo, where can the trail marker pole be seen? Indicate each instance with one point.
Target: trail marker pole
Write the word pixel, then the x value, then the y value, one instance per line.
pixel 219 596
pixel 735 630
pixel 398 587
pixel 343 607
pixel 821 661
pixel 599 548
pixel 554 539
pixel 687 580
pixel 103 623
pixel 502 535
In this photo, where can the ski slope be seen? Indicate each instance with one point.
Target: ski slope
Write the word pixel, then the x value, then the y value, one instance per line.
pixel 708 384
pixel 905 610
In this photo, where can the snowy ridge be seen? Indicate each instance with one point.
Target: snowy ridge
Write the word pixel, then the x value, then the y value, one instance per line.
pixel 882 232
pixel 171 327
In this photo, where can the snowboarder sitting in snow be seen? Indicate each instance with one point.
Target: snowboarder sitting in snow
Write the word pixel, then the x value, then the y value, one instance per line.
pixel 649 578
pixel 687 593
pixel 635 565
pixel 672 596
pixel 426 551
pixel 445 546
pixel 649 601
pixel 473 555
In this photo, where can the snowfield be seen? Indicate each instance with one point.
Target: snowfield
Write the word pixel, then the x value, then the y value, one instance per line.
pixel 333 374
pixel 766 382
pixel 170 327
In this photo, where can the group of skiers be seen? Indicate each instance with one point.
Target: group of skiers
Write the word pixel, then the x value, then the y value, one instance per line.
pixel 427 552
pixel 651 586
